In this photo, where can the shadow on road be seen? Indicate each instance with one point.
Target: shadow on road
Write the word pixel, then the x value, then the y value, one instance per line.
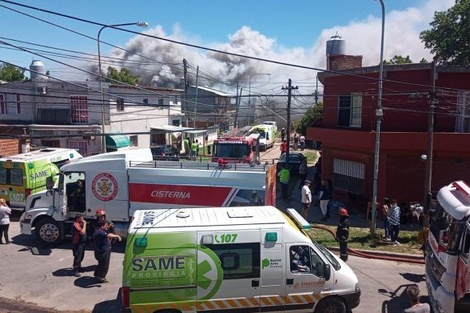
pixel 109 306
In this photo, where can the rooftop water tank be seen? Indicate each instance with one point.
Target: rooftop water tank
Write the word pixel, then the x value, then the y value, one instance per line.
pixel 336 45
pixel 38 70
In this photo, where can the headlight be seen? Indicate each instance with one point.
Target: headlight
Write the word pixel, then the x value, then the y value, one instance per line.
pixel 357 288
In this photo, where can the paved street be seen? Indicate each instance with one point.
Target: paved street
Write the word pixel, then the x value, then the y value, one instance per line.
pixel 44 276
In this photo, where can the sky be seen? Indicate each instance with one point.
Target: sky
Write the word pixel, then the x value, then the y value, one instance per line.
pixel 291 35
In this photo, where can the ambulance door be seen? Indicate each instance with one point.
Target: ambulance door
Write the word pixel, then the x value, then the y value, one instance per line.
pixel 273 268
pixel 304 278
pixel 228 270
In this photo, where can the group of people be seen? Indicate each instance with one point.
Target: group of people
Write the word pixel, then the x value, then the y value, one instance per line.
pixel 299 141
pixel 102 238
pixel 191 147
pixel 391 216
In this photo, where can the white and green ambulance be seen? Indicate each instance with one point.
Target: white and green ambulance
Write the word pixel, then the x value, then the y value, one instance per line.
pixel 234 259
pixel 24 174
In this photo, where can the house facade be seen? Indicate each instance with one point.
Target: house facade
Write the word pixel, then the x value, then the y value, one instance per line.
pixel 53 113
pixel 425 108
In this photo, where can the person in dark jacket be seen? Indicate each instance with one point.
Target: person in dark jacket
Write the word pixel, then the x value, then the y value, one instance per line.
pixel 102 240
pixel 342 233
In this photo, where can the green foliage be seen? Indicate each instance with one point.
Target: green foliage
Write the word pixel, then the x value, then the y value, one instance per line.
pixel 398 59
pixel 448 37
pixel 124 76
pixel 9 73
pixel 312 114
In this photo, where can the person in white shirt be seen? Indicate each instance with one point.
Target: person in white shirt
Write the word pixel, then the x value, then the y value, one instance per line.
pixel 306 198
pixel 5 212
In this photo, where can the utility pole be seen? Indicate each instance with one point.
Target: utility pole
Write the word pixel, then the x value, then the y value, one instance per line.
pixel 432 101
pixel 289 96
pixel 237 104
pixel 195 102
pixel 185 93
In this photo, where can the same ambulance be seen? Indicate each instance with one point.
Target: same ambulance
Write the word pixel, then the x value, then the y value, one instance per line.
pixel 26 173
pixel 231 259
pixel 123 182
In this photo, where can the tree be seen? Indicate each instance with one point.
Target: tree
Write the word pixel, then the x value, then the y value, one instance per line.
pixel 398 59
pixel 448 37
pixel 124 75
pixel 9 73
pixel 312 114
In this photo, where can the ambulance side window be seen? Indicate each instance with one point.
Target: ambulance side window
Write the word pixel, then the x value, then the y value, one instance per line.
pixel 239 260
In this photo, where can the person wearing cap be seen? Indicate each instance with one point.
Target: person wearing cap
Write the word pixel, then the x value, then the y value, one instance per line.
pixel 306 198
pixel 342 233
pixel 101 215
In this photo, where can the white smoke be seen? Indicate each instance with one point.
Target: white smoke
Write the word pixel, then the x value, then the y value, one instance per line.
pixel 163 62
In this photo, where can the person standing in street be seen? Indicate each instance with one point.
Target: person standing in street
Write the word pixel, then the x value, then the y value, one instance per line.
pixel 342 233
pixel 325 197
pixel 303 168
pixel 284 177
pixel 102 240
pixel 5 212
pixel 306 199
pixel 394 220
pixel 302 142
pixel 386 217
pixel 283 147
pixel 416 306
pixel 283 134
pixel 78 244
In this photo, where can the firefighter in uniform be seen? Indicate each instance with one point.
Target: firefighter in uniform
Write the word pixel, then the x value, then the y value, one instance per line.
pixel 342 233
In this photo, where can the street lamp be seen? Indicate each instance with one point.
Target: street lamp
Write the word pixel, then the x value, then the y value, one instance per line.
pixel 100 72
pixel 249 90
pixel 378 115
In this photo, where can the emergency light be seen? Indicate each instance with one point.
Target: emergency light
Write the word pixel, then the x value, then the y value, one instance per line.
pixel 271 237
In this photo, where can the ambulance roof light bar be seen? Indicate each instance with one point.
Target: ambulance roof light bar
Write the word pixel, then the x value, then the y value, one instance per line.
pixel 298 219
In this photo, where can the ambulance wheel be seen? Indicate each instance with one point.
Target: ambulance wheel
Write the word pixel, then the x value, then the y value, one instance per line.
pixel 331 305
pixel 48 232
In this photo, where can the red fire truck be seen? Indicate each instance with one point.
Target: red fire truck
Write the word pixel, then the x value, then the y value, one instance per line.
pixel 237 150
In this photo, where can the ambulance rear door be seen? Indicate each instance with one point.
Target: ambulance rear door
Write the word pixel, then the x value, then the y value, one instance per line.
pixel 229 270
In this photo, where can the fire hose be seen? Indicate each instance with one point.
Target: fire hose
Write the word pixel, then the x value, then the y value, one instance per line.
pixel 373 255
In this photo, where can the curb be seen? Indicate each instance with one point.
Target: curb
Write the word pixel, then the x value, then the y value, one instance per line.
pixel 415 258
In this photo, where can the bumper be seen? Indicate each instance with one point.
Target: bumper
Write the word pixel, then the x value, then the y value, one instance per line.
pixel 353 299
pixel 25 225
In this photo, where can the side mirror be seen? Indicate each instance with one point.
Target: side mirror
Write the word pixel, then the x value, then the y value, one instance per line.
pixel 49 183
pixel 327 272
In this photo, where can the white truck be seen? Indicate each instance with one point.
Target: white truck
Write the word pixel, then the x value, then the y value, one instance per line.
pixel 125 181
pixel 448 250
pixel 239 259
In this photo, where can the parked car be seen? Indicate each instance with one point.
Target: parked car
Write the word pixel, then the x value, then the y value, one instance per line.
pixel 165 153
pixel 295 158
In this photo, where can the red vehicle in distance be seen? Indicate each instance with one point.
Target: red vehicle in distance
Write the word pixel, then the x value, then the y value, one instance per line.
pixel 236 150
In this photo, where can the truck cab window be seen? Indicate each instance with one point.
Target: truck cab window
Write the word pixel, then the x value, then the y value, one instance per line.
pixel 300 259
pixel 75 191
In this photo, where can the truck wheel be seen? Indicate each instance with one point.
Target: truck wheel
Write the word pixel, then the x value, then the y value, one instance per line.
pixel 47 232
pixel 331 305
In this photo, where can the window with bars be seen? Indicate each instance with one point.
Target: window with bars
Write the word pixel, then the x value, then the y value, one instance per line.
pixel 79 145
pixel 350 110
pixel 349 176
pixel 79 109
pixel 120 104
pixel 50 143
pixel 463 119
